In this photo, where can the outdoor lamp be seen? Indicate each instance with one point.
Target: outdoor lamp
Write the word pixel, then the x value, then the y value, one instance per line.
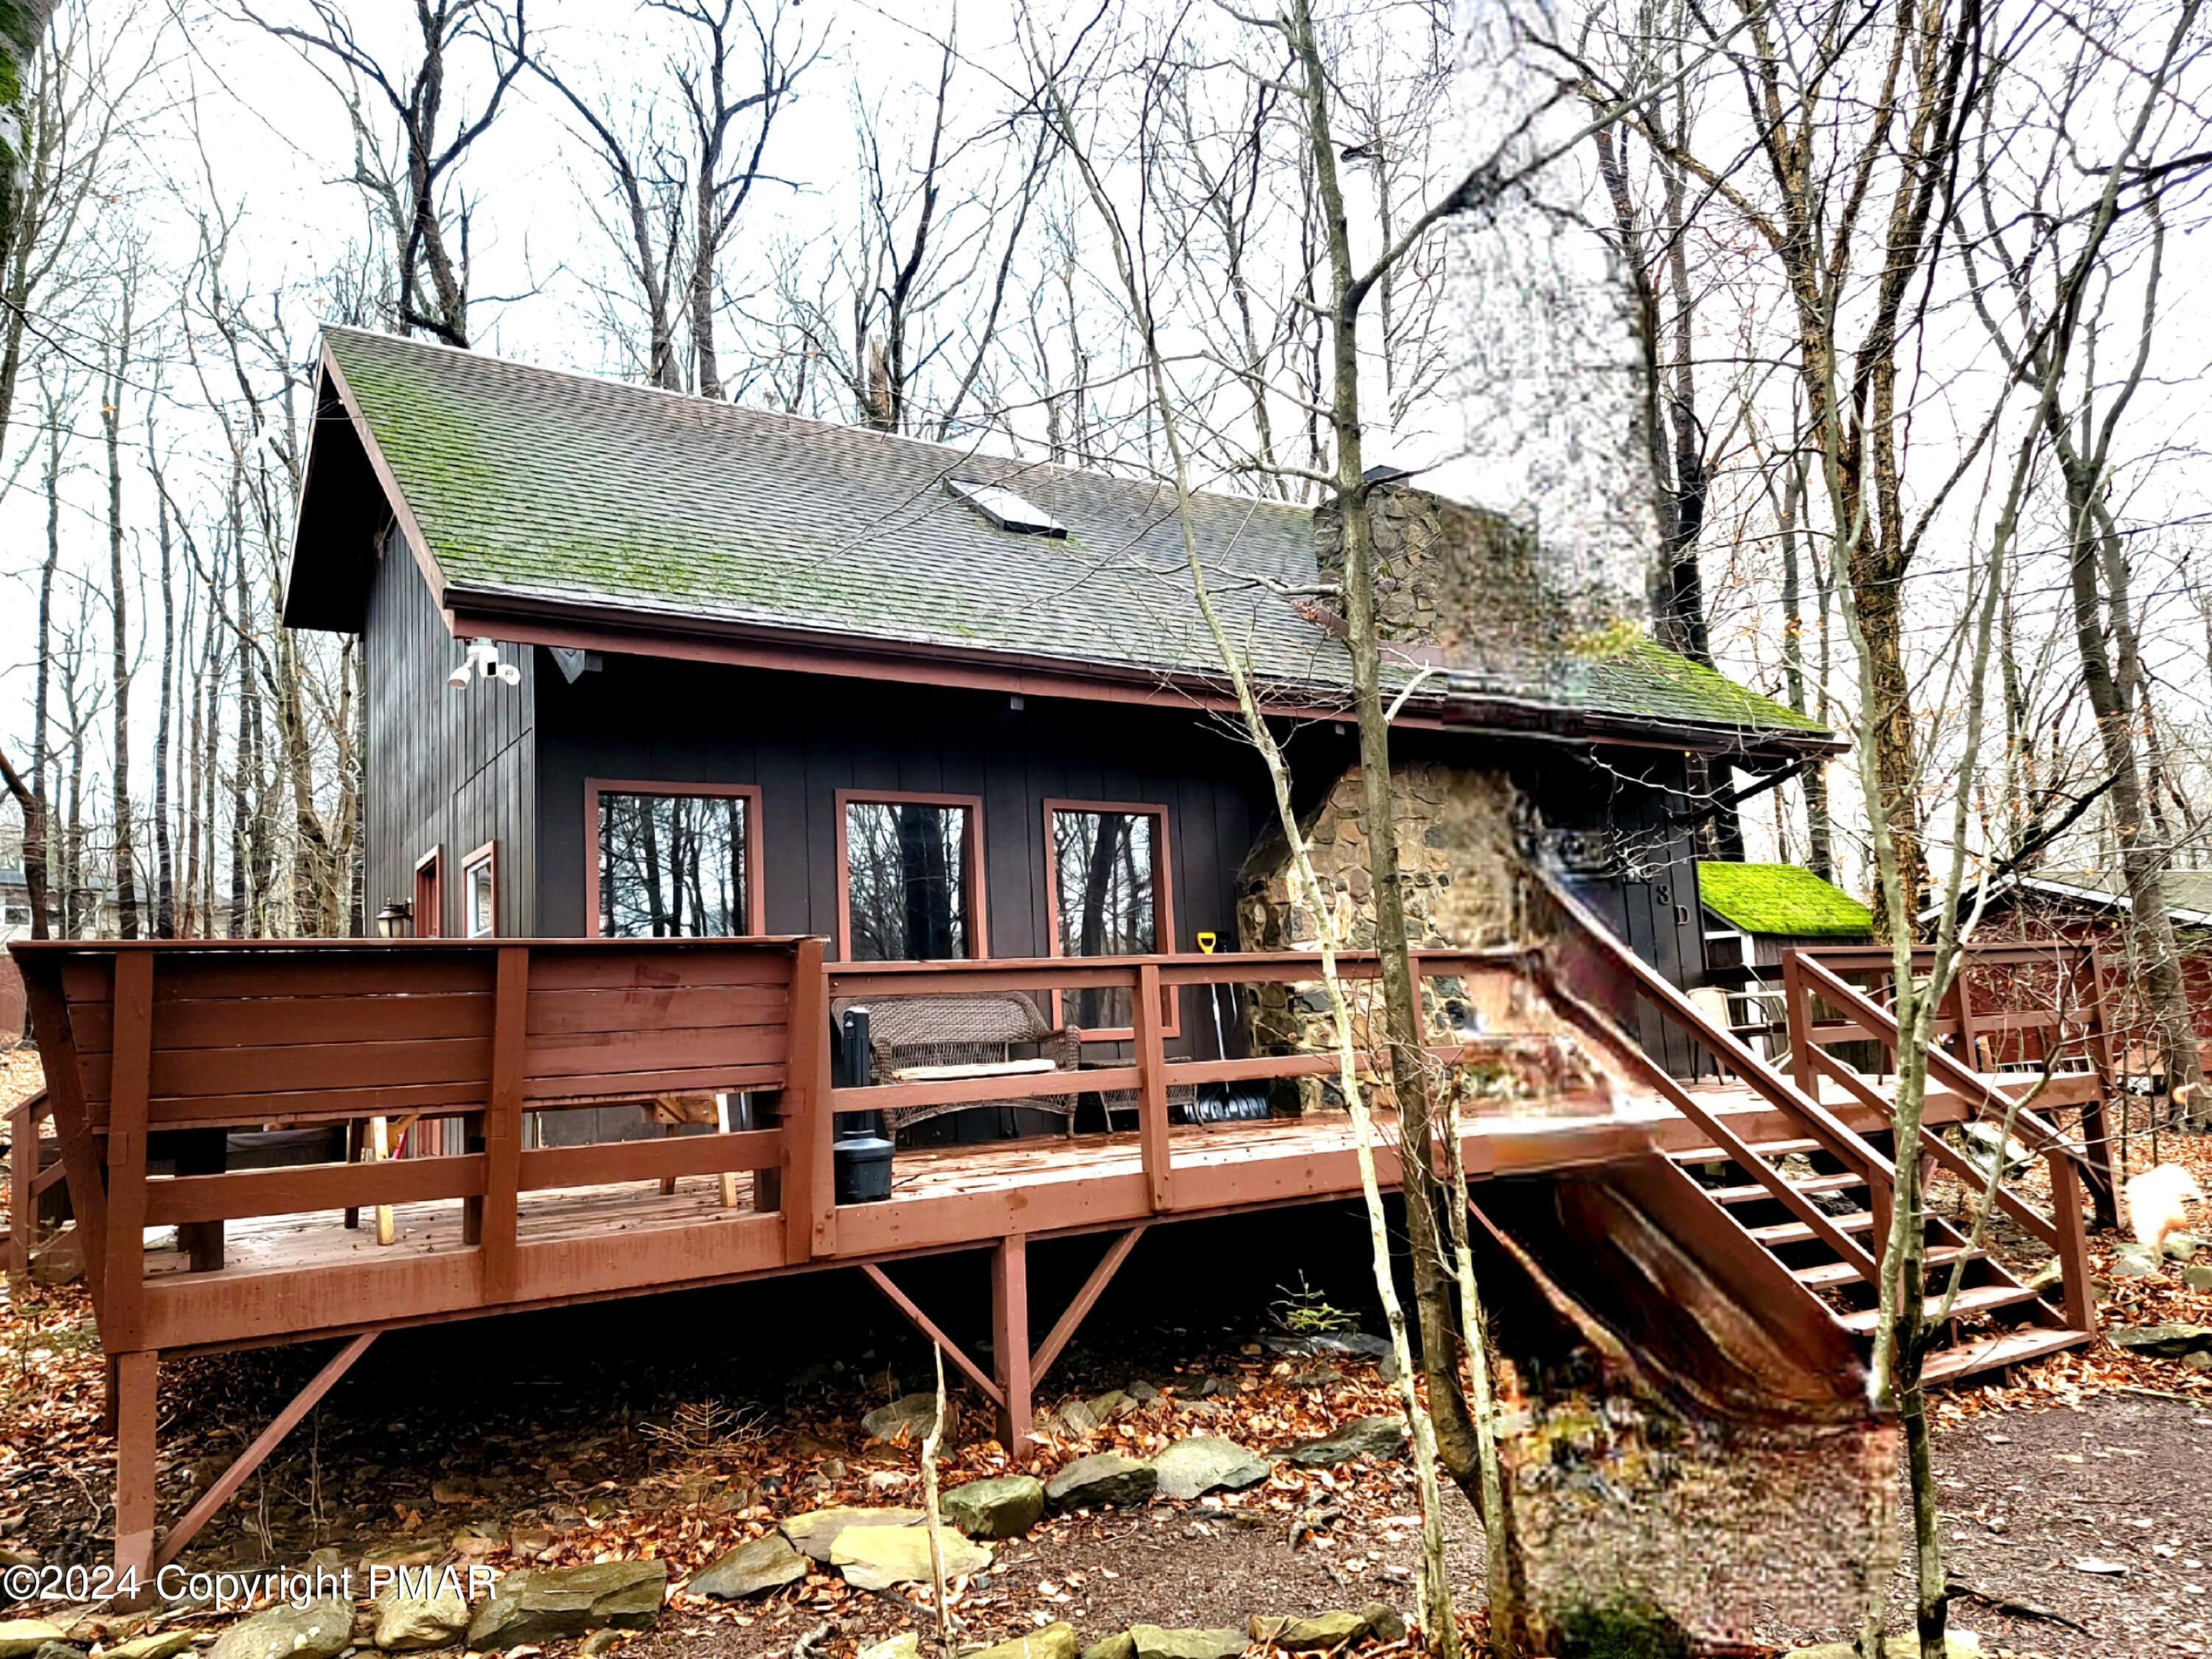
pixel 396 920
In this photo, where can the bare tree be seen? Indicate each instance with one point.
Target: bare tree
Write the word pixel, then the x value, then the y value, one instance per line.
pixel 410 172
pixel 681 186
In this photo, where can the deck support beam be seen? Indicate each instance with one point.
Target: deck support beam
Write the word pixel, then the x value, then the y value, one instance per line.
pixel 254 1455
pixel 1093 1288
pixel 928 1327
pixel 131 1383
pixel 1010 1343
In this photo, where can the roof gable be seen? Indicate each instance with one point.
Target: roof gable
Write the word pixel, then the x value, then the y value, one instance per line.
pixel 525 487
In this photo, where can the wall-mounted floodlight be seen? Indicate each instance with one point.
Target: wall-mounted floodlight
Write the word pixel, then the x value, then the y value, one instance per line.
pixel 484 660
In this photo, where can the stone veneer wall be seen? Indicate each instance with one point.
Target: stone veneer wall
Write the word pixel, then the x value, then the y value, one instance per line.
pixel 1465 888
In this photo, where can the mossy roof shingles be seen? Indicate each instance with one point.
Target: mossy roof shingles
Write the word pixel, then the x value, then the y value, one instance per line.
pixel 530 483
pixel 1783 899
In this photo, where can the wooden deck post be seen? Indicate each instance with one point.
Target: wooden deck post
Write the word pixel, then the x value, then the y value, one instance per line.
pixel 2080 1304
pixel 503 1123
pixel 129 1084
pixel 1010 1341
pixel 23 1186
pixel 134 1378
pixel 807 1178
pixel 1150 1047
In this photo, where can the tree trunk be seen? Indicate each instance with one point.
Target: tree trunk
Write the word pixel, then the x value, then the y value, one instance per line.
pixel 110 416
pixel 165 858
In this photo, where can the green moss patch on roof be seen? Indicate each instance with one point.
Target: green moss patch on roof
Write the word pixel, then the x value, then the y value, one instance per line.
pixel 1647 678
pixel 1785 899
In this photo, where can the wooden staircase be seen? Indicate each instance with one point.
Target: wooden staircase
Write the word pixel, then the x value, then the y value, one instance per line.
pixel 1816 1200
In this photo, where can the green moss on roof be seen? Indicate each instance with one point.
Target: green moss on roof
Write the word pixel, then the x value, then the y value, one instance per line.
pixel 1649 679
pixel 1785 899
pixel 534 485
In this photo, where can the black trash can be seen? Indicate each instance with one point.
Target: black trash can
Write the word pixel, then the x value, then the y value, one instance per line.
pixel 864 1168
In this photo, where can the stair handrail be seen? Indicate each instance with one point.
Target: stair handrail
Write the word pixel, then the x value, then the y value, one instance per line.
pixel 2062 1231
pixel 2042 1135
pixel 1833 1134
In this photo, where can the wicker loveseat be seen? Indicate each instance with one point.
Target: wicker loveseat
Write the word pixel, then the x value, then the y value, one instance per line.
pixel 945 1037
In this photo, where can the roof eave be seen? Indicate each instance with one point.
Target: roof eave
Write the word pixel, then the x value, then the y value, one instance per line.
pixel 528 618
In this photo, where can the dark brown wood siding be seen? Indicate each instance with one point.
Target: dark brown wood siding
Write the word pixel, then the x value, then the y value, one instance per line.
pixel 443 767
pixel 800 739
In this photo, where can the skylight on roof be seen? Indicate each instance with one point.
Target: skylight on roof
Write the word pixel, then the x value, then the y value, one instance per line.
pixel 1005 509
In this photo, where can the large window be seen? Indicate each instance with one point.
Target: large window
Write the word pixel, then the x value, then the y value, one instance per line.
pixel 1109 894
pixel 674 860
pixel 911 867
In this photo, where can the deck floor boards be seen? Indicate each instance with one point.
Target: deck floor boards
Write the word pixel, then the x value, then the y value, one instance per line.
pixel 1044 1166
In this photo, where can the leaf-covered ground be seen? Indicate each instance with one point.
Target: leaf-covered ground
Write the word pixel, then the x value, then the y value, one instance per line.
pixel 677 1426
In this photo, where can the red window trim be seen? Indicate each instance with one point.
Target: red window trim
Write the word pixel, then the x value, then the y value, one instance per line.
pixel 432 864
pixel 978 910
pixel 756 889
pixel 1163 930
pixel 488 856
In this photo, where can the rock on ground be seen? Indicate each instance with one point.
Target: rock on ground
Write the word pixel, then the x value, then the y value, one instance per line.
pixel 21 1637
pixel 539 1604
pixel 320 1630
pixel 166 1645
pixel 905 1645
pixel 1323 1630
pixel 1384 1622
pixel 768 1563
pixel 876 1558
pixel 1052 1641
pixel 1364 1437
pixel 1151 1642
pixel 2165 1342
pixel 1204 1463
pixel 1005 1507
pixel 815 1532
pixel 408 1624
pixel 913 1412
pixel 1101 1480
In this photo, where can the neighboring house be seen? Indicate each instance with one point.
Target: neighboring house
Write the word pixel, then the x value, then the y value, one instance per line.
pixel 2093 908
pixel 758 673
pixel 1755 912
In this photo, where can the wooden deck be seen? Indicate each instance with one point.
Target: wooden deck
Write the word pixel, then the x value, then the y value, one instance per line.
pixel 155 1051
pixel 1037 1187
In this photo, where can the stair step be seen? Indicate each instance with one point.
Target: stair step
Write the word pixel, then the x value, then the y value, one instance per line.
pixel 1796 1232
pixel 2009 1348
pixel 1979 1299
pixel 1750 1194
pixel 1762 1148
pixel 1825 1273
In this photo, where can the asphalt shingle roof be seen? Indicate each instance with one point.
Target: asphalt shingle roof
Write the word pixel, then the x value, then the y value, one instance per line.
pixel 530 483
pixel 1785 899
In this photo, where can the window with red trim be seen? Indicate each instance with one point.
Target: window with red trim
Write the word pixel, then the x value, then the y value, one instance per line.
pixel 1107 874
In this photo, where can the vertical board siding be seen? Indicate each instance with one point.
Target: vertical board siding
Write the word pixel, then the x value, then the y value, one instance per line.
pixel 800 740
pixel 443 766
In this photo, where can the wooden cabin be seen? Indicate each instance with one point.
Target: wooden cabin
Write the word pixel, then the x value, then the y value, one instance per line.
pixel 692 729
pixel 797 651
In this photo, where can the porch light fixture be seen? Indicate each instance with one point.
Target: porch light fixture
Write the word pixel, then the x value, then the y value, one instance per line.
pixel 482 663
pixel 396 920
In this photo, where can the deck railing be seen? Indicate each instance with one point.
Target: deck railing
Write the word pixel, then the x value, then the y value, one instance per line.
pixel 156 1050
pixel 176 1043
pixel 2032 1012
pixel 1481 982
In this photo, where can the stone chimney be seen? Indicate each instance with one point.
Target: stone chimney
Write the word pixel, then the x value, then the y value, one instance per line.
pixel 1454 585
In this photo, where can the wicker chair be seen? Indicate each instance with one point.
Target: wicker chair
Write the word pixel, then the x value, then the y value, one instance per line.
pixel 942 1035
